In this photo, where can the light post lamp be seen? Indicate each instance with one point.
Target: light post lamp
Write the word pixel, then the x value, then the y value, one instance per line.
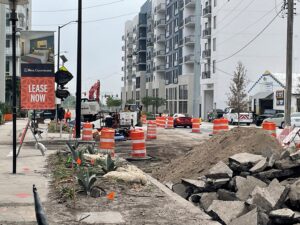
pixel 13 18
pixel 58 41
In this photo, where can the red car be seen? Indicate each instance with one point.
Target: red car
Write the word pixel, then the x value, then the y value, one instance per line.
pixel 182 120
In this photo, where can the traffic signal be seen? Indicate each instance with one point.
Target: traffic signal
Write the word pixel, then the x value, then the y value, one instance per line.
pixel 62 77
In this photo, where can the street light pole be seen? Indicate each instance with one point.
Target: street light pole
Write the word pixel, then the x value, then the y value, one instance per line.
pixel 78 81
pixel 14 20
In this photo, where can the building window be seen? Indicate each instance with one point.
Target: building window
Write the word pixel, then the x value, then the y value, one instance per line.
pixel 215 22
pixel 214 44
pixel 215 3
pixel 138 82
pixel 137 95
pixel 7 67
pixel 214 66
pixel 183 106
pixel 175 8
pixel 183 92
pixel 7 43
pixel 7 20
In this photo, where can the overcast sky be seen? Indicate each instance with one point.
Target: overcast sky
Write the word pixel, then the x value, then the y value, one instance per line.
pixel 101 43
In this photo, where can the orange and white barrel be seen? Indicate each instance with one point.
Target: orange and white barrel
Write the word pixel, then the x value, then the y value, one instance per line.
pixel 144 119
pixel 220 125
pixel 270 127
pixel 87 132
pixel 169 122
pixel 138 144
pixel 107 141
pixel 151 130
pixel 196 125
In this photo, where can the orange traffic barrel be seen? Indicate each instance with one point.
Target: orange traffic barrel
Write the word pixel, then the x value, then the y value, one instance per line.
pixel 196 125
pixel 151 130
pixel 138 144
pixel 74 132
pixel 169 122
pixel 107 141
pixel 270 127
pixel 220 125
pixel 144 119
pixel 87 132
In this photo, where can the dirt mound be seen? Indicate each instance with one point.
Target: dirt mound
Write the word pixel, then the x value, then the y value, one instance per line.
pixel 219 147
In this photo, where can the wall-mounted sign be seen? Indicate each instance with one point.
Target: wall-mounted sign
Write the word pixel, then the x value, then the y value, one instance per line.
pixel 37 86
pixel 280 97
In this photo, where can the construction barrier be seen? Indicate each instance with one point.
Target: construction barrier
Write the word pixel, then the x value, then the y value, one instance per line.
pixel 270 127
pixel 151 130
pixel 138 144
pixel 74 132
pixel 144 119
pixel 87 132
pixel 107 141
pixel 196 125
pixel 161 122
pixel 220 125
pixel 169 123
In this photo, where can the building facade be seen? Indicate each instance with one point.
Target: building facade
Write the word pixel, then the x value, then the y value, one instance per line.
pixel 23 23
pixel 227 28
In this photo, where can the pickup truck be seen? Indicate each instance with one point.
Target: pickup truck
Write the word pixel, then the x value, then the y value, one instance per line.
pixel 232 116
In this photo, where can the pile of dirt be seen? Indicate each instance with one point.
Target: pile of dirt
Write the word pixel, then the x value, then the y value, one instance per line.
pixel 220 147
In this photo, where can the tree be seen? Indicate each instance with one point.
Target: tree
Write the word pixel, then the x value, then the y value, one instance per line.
pixel 111 102
pixel 237 97
pixel 147 101
pixel 158 102
pixel 130 101
pixel 69 102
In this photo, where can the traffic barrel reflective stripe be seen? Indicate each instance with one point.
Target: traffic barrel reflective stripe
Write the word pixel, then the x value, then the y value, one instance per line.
pixel 107 141
pixel 144 119
pixel 138 144
pixel 87 132
pixel 169 122
pixel 220 125
pixel 270 127
pixel 196 125
pixel 151 130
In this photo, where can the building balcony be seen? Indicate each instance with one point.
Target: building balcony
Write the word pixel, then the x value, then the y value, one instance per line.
pixel 189 3
pixel 160 68
pixel 189 59
pixel 206 33
pixel 160 23
pixel 181 4
pixel 190 21
pixel 123 48
pixel 123 38
pixel 181 23
pixel 180 60
pixel 206 54
pixel 150 44
pixel 160 38
pixel 160 53
pixel 161 8
pixel 123 58
pixel 206 75
pixel 122 78
pixel 181 42
pixel 189 40
pixel 207 11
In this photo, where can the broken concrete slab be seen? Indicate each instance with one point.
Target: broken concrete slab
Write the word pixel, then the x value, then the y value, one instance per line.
pixel 195 198
pixel 207 199
pixel 246 186
pixel 226 195
pixel 260 166
pixel 109 217
pixel 219 171
pixel 226 211
pixel 238 182
pixel 295 156
pixel 271 197
pixel 285 154
pixel 198 184
pixel 245 160
pixel 214 184
pixel 287 164
pixel 272 159
pixel 274 173
pixel 294 194
pixel 251 218
pixel 182 190
pixel 282 216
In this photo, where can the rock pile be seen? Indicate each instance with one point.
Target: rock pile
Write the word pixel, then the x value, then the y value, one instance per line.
pixel 250 189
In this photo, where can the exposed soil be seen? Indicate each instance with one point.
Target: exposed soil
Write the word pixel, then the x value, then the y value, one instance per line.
pixel 220 147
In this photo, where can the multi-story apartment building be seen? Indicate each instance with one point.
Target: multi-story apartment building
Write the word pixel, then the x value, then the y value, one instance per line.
pixel 227 27
pixel 24 23
pixel 169 55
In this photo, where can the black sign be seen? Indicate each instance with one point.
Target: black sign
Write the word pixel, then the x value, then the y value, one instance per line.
pixel 37 70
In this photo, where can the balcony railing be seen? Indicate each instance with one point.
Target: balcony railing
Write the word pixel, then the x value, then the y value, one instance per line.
pixel 189 21
pixel 160 68
pixel 206 75
pixel 189 58
pixel 160 38
pixel 207 11
pixel 190 3
pixel 160 23
pixel 160 8
pixel 189 40
pixel 206 32
pixel 160 53
pixel 206 53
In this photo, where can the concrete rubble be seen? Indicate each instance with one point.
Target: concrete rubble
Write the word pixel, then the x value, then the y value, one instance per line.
pixel 250 190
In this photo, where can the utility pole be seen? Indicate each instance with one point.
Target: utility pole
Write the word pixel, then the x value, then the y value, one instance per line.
pixel 78 80
pixel 197 71
pixel 289 62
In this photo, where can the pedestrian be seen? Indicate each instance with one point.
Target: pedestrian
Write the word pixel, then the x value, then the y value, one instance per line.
pixel 68 116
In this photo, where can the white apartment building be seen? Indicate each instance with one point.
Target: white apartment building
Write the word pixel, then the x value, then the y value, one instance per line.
pixel 24 23
pixel 227 26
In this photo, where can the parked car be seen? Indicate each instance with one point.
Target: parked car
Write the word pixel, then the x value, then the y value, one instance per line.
pixel 295 119
pixel 278 119
pixel 233 117
pixel 182 120
pixel 215 114
pixel 259 119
